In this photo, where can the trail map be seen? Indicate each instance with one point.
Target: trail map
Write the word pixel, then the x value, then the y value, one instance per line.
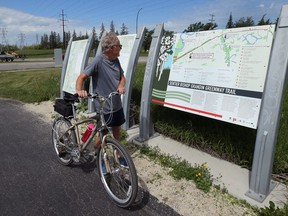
pixel 218 74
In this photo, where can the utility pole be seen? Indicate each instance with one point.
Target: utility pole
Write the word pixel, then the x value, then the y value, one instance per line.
pixel 37 40
pixel 22 39
pixel 212 22
pixel 212 18
pixel 4 40
pixel 63 27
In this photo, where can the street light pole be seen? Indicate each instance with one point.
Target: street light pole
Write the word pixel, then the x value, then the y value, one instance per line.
pixel 137 19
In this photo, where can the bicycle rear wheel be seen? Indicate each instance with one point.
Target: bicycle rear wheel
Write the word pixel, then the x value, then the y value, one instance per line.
pixel 61 136
pixel 121 181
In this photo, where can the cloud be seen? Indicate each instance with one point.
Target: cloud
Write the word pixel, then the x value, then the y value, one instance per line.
pixel 221 9
pixel 13 23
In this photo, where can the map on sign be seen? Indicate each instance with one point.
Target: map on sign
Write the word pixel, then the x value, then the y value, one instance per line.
pixel 74 65
pixel 127 42
pixel 218 74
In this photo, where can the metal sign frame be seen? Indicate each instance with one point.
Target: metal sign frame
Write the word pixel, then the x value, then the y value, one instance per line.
pixel 146 129
pixel 131 69
pixel 269 119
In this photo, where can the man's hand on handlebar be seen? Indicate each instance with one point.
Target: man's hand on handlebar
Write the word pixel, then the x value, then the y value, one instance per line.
pixel 121 90
pixel 82 93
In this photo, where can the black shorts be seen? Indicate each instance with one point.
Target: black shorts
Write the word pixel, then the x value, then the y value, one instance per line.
pixel 115 119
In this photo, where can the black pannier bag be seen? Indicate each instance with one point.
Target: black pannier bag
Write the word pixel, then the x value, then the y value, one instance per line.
pixel 63 107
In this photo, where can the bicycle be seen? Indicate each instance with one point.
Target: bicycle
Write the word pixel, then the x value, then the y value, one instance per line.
pixel 114 164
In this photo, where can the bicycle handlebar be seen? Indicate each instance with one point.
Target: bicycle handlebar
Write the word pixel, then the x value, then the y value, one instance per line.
pixel 97 96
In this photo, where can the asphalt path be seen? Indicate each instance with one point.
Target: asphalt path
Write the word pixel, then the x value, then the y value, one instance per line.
pixel 34 183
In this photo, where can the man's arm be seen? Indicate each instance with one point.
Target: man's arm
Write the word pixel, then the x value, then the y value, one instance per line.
pixel 121 87
pixel 79 85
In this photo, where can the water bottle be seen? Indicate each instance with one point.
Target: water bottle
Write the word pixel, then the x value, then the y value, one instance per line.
pixel 88 132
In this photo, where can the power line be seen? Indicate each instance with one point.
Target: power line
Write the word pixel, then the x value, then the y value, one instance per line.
pixel 63 27
pixel 212 18
pixel 37 40
pixel 21 36
pixel 4 33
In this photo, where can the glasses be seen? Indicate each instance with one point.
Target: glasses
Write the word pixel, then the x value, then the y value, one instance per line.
pixel 118 45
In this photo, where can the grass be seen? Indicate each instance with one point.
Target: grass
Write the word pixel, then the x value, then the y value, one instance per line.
pixel 33 53
pixel 31 86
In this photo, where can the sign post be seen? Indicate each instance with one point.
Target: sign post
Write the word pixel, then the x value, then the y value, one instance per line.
pixel 131 68
pixel 266 138
pixel 145 126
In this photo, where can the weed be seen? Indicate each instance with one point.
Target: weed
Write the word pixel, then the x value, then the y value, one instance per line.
pixel 181 169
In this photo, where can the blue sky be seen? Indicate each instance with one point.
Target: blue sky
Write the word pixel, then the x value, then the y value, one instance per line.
pixel 36 17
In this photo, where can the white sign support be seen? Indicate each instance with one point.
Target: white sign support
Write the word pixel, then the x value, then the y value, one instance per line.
pixel 131 69
pixel 64 67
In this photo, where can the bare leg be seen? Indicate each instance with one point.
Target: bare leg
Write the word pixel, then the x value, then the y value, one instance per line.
pixel 117 132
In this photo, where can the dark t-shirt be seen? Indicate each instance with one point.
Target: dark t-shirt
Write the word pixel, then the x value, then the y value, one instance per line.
pixel 105 79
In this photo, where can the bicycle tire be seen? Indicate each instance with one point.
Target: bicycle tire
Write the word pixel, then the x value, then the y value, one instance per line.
pixel 121 184
pixel 59 127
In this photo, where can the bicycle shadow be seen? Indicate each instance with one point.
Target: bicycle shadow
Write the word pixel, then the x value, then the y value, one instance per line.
pixel 143 196
pixel 144 199
pixel 151 204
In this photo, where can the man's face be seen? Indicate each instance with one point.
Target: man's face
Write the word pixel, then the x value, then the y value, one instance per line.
pixel 116 48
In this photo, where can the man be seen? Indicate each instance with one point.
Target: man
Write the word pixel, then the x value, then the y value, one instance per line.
pixel 107 76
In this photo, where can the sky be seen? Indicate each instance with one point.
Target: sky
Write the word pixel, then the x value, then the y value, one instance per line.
pixel 25 21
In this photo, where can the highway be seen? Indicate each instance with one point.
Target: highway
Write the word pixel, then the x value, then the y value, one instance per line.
pixel 34 63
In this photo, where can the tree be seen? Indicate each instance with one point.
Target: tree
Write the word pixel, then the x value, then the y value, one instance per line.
pixel 58 40
pixel 102 30
pixel 124 30
pixel 200 27
pixel 242 22
pixel 209 26
pixel 95 39
pixel 68 37
pixel 194 27
pixel 230 23
pixel 263 21
pixel 44 42
pixel 52 40
pixel 74 35
pixel 112 27
pixel 147 40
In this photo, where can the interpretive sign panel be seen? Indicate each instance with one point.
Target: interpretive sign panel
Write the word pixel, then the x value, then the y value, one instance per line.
pixel 127 42
pixel 218 74
pixel 74 66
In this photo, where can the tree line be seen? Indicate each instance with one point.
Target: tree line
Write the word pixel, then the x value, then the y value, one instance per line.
pixel 54 40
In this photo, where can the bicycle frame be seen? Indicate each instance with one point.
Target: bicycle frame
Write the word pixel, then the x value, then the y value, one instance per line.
pixel 100 126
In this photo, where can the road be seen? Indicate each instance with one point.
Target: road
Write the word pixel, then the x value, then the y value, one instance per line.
pixel 33 182
pixel 20 64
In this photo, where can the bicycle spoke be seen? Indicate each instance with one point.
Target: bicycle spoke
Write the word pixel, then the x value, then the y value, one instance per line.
pixel 121 183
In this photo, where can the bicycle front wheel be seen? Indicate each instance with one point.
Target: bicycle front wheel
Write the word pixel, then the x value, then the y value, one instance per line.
pixel 118 173
pixel 63 139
